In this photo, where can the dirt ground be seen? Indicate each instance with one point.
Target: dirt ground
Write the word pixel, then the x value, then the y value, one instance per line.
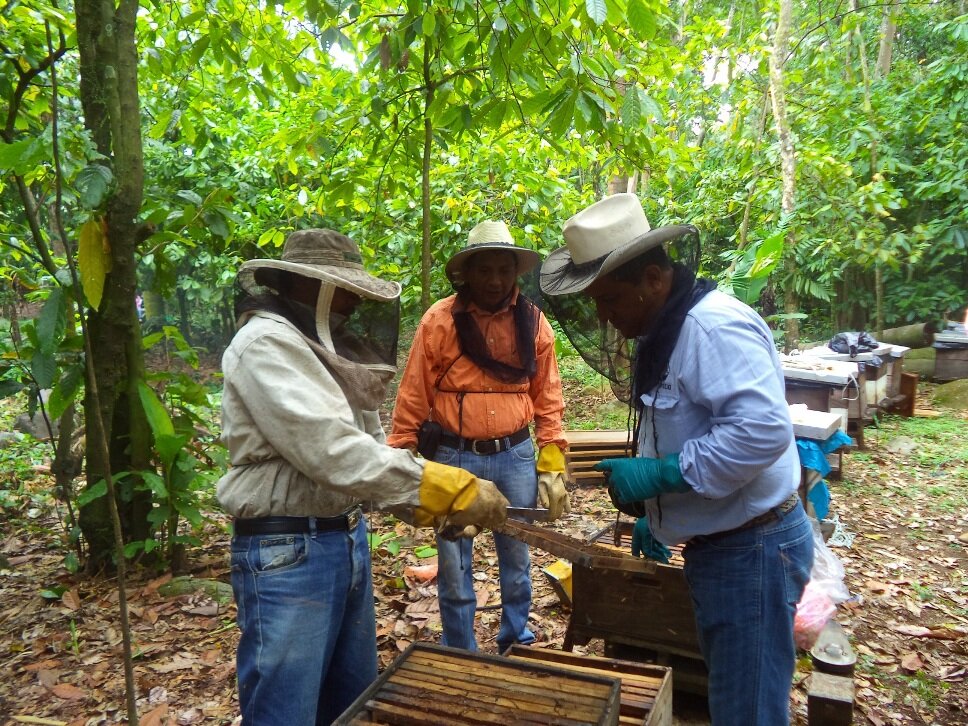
pixel 905 569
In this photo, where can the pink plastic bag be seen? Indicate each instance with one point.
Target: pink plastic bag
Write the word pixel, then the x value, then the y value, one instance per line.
pixel 813 611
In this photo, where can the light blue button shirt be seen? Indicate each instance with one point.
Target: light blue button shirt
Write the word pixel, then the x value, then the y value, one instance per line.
pixel 722 407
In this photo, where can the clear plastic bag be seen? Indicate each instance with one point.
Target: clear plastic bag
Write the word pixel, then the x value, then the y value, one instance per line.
pixel 828 572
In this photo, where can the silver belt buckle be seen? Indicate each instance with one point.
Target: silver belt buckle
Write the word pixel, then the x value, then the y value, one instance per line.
pixel 353 518
pixel 495 442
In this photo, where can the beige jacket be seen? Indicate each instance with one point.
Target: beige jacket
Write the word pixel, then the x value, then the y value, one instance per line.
pixel 296 445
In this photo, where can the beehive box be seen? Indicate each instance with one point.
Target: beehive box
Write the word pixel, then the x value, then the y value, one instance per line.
pixel 587 448
pixel 641 609
pixel 951 364
pixel 434 684
pixel 646 693
pixel 639 614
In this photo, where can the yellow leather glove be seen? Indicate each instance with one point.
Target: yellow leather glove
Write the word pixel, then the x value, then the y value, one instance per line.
pixel 461 497
pixel 453 532
pixel 552 494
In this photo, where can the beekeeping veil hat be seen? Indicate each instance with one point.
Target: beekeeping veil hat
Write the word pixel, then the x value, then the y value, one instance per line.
pixel 359 346
pixel 598 240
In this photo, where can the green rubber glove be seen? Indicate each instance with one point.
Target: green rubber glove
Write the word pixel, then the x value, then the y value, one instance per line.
pixel 643 543
pixel 634 480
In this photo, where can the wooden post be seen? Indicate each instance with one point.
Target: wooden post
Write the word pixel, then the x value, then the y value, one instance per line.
pixel 830 700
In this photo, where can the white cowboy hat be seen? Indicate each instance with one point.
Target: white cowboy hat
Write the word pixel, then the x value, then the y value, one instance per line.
pixel 599 239
pixel 489 235
pixel 322 254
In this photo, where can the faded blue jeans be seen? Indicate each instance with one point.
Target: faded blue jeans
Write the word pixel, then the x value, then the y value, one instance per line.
pixel 745 587
pixel 513 472
pixel 305 608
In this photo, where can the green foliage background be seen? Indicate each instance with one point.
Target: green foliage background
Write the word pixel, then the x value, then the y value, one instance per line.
pixel 376 118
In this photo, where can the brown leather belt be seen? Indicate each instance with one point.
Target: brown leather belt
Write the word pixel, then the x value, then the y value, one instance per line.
pixel 484 447
pixel 768 517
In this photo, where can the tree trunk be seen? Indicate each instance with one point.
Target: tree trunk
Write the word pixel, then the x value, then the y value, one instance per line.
pixel 886 48
pixel 426 259
pixel 109 97
pixel 781 45
pixel 918 335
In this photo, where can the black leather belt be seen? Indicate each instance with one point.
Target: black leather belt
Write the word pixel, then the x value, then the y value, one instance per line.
pixel 768 517
pixel 346 521
pixel 485 447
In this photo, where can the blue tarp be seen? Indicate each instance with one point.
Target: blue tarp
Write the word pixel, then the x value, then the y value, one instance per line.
pixel 813 455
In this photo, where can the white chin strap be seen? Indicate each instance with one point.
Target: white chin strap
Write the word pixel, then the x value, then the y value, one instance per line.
pixel 323 304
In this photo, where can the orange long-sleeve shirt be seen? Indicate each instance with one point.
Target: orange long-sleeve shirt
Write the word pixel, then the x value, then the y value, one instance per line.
pixel 491 408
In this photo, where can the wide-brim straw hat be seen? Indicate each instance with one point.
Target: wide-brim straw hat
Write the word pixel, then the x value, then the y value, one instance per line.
pixel 325 255
pixel 600 239
pixel 489 235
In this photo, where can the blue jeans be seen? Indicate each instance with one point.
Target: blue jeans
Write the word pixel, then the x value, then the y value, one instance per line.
pixel 305 608
pixel 745 587
pixel 513 471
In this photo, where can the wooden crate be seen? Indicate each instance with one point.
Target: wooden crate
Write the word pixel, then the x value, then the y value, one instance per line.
pixel 951 364
pixel 646 695
pixel 587 448
pixel 434 684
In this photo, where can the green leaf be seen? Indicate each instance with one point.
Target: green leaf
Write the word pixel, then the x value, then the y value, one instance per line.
pixel 198 50
pixel 424 551
pixel 133 548
pixel 65 391
pixel 43 367
pixel 51 322
pixel 631 108
pixel 53 593
pixel 187 195
pixel 93 183
pixel 93 260
pixel 155 412
pixel 429 23
pixel 9 388
pixel 168 446
pixel 91 493
pixel 155 483
pixel 21 156
pixel 641 20
pixel 596 11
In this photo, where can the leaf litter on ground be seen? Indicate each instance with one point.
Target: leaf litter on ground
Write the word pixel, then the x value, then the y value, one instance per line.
pixel 906 570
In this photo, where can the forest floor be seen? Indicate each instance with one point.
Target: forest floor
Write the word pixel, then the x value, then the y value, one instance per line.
pixel 904 498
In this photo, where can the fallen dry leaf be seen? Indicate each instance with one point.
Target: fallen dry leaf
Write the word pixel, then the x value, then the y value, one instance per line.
pixel 912 662
pixel 67 691
pixel 71 599
pixel 155 716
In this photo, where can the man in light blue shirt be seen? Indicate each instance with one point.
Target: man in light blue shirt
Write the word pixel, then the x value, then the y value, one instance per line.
pixel 716 464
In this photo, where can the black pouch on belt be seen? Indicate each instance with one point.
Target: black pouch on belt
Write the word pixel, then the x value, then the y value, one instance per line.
pixel 428 438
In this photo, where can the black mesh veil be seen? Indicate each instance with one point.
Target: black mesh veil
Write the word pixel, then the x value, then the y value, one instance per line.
pixel 369 335
pixel 599 343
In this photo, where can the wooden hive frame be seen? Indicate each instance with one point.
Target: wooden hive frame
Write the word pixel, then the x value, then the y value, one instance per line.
pixel 646 695
pixel 587 448
pixel 445 686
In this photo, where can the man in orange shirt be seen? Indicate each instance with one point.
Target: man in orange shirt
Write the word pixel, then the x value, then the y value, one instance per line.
pixel 483 367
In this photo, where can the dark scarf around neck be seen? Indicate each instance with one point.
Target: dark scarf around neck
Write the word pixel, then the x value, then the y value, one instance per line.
pixel 472 342
pixel 654 349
